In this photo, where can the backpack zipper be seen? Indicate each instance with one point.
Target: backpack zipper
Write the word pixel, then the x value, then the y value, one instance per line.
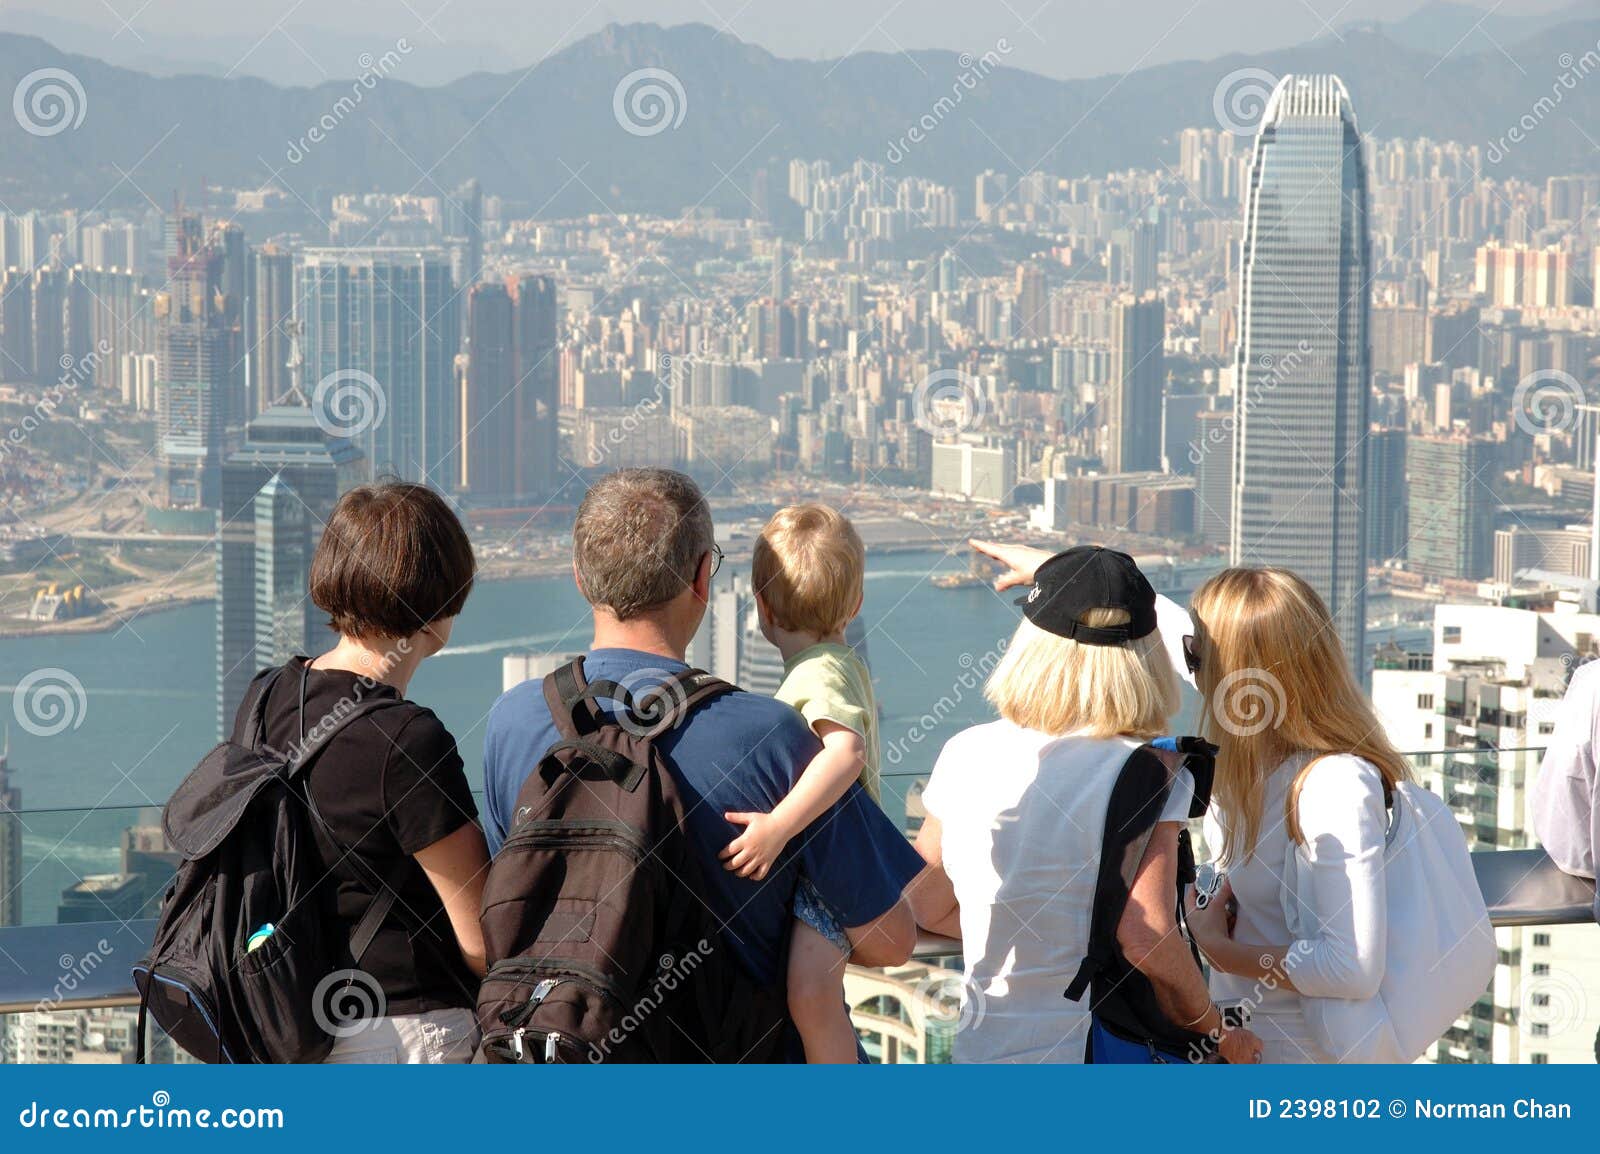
pixel 586 975
pixel 520 1014
pixel 614 834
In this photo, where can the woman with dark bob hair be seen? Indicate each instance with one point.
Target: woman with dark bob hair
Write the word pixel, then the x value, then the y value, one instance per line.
pixel 392 571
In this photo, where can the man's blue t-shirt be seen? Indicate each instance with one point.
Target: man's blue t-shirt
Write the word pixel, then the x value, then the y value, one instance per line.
pixel 740 752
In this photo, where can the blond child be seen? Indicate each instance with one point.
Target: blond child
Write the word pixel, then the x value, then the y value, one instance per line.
pixel 808 570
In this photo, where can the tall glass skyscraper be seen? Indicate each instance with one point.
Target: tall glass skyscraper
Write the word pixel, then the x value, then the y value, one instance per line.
pixel 278 490
pixel 391 314
pixel 1301 366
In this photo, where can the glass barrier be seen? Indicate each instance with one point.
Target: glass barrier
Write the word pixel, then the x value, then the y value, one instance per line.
pixel 109 866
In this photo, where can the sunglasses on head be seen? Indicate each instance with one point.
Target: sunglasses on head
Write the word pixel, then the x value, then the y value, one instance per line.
pixel 1191 654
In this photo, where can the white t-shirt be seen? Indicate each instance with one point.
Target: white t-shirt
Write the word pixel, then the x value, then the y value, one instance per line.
pixel 1022 815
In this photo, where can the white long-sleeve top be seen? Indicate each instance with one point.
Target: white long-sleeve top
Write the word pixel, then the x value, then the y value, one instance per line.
pixel 1566 818
pixel 1344 822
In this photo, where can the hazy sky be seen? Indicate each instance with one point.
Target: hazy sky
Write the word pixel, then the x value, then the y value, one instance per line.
pixel 301 41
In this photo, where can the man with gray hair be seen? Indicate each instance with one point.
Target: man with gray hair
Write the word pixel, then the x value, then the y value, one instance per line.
pixel 644 558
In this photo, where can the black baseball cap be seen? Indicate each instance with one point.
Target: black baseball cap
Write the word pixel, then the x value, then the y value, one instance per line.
pixel 1089 577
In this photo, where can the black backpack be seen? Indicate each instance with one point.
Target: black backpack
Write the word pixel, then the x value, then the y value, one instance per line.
pixel 600 945
pixel 245 824
pixel 1120 997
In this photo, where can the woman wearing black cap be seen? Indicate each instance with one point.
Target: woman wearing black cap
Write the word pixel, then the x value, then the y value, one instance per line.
pixel 1017 809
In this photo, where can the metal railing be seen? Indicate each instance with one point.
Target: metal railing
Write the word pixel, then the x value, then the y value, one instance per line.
pixel 1521 887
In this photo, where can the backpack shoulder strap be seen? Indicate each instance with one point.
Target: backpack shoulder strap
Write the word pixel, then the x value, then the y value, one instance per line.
pixel 680 695
pixel 255 717
pixel 1137 798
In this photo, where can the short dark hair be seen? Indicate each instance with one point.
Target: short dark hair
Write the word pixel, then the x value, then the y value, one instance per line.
pixel 393 558
pixel 639 539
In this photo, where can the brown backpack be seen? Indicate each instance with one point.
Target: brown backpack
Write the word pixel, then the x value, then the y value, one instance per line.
pixel 600 945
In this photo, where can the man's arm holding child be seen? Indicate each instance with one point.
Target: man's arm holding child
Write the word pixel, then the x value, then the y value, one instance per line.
pixel 824 781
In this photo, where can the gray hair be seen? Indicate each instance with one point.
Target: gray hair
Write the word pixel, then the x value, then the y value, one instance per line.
pixel 639 538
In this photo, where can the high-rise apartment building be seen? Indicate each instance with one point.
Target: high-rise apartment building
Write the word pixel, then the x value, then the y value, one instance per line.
pixel 1516 276
pixel 1559 551
pixel 10 842
pixel 1475 723
pixel 1212 458
pixel 269 312
pixel 1133 391
pixel 390 314
pixel 1387 501
pixel 1301 367
pixel 1451 506
pixel 195 345
pixel 1033 303
pixel 489 381
pixel 976 468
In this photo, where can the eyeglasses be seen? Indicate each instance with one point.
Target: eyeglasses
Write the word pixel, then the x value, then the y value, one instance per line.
pixel 1191 654
pixel 716 558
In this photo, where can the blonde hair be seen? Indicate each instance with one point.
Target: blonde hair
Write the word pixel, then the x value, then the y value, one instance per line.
pixel 1056 685
pixel 808 567
pixel 1274 682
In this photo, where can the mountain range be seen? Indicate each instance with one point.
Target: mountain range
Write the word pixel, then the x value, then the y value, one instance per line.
pixel 556 136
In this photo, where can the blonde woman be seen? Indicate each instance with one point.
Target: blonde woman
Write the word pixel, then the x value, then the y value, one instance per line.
pixel 1303 763
pixel 1016 811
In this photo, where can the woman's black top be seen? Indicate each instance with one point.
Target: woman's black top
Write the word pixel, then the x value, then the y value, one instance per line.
pixel 388 784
